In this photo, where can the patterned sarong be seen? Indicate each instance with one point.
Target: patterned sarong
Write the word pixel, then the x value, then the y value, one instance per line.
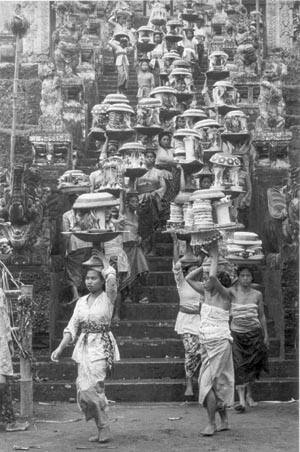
pixel 250 356
pixel 6 407
pixel 192 362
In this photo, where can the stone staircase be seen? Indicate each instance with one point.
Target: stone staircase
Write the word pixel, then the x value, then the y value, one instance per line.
pixel 152 355
pixel 152 365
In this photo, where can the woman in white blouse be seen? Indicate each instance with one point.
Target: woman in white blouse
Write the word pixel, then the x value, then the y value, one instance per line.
pixel 96 348
pixel 188 318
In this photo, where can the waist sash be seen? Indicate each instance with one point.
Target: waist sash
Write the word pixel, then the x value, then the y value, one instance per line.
pixel 100 328
pixel 187 310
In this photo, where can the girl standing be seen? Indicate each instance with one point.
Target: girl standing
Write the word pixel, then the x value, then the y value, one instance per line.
pixel 129 222
pixel 96 348
pixel 250 336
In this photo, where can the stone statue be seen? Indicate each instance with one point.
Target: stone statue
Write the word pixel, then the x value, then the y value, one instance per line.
pixel 22 204
pixel 66 42
pixel 51 103
pixel 271 108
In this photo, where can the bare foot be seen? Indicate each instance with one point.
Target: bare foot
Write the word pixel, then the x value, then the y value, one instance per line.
pixel 128 300
pixel 17 427
pixel 223 426
pixel 189 391
pixel 251 402
pixel 209 430
pixel 144 300
pixel 104 435
pixel 240 408
pixel 94 439
pixel 116 320
pixel 151 253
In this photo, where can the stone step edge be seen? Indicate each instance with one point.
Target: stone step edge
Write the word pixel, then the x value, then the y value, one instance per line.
pixel 161 323
pixel 66 361
pixel 163 381
pixel 150 322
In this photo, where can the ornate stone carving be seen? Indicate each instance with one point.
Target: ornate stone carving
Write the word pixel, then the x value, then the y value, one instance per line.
pixel 23 205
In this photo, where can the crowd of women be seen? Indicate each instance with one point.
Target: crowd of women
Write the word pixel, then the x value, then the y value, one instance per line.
pixel 221 322
pixel 222 325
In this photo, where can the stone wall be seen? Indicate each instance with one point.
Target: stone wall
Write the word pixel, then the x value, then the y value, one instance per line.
pixel 29 95
pixel 36 43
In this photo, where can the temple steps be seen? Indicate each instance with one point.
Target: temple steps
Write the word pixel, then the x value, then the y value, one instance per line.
pixel 132 347
pixel 146 329
pixel 135 368
pixel 155 390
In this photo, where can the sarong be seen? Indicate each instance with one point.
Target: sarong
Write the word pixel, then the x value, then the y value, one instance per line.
pixel 137 261
pixel 93 403
pixel 73 265
pixel 149 216
pixel 173 185
pixel 192 362
pixel 6 408
pixel 250 356
pixel 216 371
pixel 123 74
pixel 172 180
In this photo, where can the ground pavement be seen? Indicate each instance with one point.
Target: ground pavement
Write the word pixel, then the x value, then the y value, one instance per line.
pixel 173 427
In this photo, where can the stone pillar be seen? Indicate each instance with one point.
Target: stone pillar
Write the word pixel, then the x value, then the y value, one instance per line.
pixel 279 19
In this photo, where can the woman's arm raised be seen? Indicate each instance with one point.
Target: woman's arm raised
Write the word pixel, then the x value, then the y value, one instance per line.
pixel 191 280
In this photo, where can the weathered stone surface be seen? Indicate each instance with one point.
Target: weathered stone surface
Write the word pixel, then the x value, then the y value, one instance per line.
pixel 159 390
pixel 27 71
pixel 156 368
pixel 28 104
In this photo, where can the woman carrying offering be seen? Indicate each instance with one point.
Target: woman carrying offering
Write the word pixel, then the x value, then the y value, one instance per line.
pixel 188 318
pixel 250 336
pixel 129 223
pixel 170 169
pixel 96 348
pixel 151 188
pixel 121 50
pixel 216 377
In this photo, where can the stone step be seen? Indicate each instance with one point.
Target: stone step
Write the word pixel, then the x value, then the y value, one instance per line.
pixel 135 328
pixel 167 390
pixel 146 328
pixel 135 311
pixel 157 264
pixel 154 368
pixel 161 278
pixel 156 294
pixel 158 348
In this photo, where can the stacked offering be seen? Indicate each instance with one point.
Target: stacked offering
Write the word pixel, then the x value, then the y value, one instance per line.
pixel 176 216
pixel 202 210
pixel 244 247
pixel 188 215
pixel 74 181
